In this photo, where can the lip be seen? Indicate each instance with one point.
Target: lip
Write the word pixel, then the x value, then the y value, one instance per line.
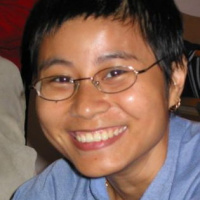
pixel 97 139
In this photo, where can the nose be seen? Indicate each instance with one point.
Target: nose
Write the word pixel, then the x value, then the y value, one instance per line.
pixel 88 101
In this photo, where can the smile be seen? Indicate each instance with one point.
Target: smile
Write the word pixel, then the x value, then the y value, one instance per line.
pixel 100 135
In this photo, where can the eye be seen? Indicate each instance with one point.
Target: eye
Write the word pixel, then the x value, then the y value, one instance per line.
pixel 61 79
pixel 112 73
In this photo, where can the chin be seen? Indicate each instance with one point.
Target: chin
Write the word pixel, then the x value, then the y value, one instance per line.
pixel 95 171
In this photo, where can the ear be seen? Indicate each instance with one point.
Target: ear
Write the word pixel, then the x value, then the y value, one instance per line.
pixel 178 80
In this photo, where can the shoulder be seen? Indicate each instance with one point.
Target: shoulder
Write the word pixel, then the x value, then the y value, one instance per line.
pixel 60 181
pixel 190 134
pixel 185 129
pixel 187 133
pixel 187 177
pixel 56 178
pixel 7 64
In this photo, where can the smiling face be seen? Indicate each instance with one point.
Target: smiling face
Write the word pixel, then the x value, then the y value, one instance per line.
pixel 103 133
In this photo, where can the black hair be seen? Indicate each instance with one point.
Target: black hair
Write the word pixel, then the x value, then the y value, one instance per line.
pixel 159 21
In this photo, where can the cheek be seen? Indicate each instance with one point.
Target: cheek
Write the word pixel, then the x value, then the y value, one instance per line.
pixel 44 112
pixel 143 104
pixel 145 100
pixel 49 117
pixel 147 110
pixel 50 112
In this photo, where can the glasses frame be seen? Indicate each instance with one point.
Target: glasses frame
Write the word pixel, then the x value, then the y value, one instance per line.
pixel 76 82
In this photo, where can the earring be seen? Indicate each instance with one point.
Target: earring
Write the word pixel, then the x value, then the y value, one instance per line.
pixel 174 83
pixel 176 106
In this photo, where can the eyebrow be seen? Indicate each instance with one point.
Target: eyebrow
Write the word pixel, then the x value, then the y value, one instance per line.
pixel 103 58
pixel 114 55
pixel 54 61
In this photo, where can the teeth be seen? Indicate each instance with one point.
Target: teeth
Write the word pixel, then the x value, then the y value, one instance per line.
pixel 110 134
pixel 104 136
pixel 89 137
pixel 116 132
pixel 98 136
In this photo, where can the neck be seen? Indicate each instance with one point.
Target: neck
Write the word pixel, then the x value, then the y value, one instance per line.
pixel 132 182
pixel 126 191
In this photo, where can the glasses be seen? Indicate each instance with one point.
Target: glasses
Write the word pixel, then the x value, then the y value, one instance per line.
pixel 110 80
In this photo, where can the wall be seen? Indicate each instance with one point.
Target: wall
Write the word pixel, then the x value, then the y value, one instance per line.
pixel 191 28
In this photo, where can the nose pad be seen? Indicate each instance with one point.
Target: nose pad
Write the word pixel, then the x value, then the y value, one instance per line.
pixel 96 84
pixel 88 101
pixel 76 87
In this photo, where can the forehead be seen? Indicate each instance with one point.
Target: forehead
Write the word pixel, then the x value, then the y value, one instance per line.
pixel 80 39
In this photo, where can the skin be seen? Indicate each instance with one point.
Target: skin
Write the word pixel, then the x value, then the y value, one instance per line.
pixel 131 161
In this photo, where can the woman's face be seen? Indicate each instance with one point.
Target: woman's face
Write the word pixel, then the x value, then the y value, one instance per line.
pixel 130 127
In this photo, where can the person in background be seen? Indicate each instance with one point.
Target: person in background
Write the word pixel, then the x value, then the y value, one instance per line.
pixel 108 77
pixel 17 161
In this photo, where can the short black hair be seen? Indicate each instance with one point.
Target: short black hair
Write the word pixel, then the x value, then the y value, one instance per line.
pixel 159 21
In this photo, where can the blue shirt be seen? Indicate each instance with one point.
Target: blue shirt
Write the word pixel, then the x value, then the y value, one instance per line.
pixel 178 179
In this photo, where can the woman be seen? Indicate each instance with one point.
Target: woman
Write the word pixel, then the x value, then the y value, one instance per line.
pixel 107 75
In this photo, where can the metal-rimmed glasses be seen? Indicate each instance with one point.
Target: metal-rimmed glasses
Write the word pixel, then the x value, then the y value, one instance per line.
pixel 109 80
